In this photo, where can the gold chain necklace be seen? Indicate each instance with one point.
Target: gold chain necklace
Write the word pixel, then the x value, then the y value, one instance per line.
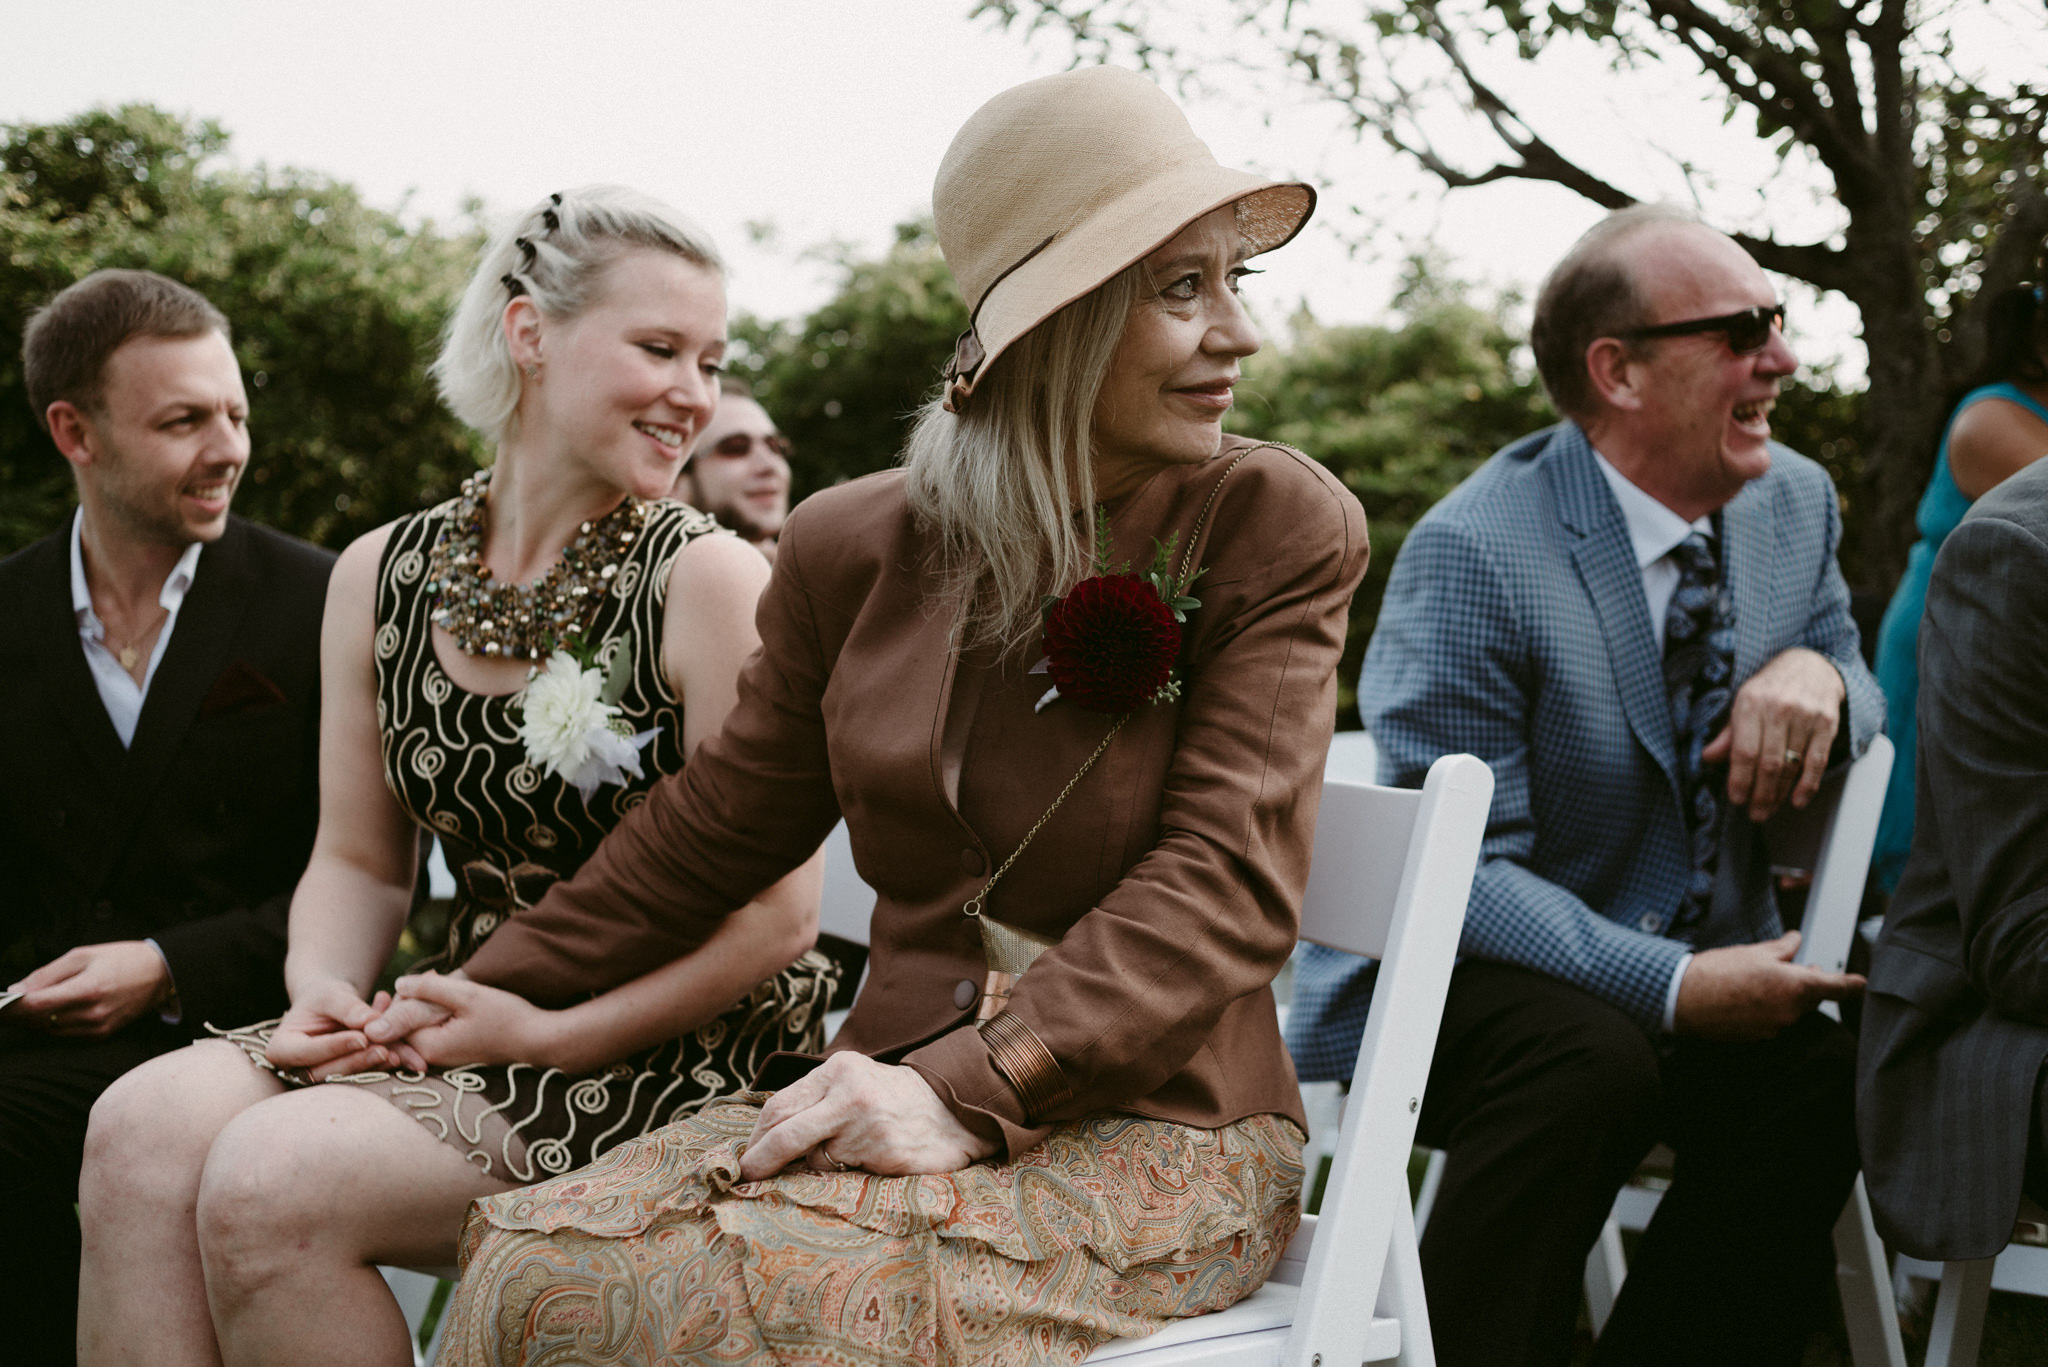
pixel 523 621
pixel 1008 950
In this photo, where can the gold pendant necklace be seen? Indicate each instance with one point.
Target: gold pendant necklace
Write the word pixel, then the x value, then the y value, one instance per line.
pixel 131 653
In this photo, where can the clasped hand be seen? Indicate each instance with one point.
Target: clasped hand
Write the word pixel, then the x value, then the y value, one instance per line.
pixel 434 1019
pixel 852 1112
pixel 1792 706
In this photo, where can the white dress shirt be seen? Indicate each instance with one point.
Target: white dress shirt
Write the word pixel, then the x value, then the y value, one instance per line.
pixel 119 692
pixel 1655 531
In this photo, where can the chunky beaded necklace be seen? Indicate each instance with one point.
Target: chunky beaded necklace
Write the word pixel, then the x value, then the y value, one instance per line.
pixel 523 621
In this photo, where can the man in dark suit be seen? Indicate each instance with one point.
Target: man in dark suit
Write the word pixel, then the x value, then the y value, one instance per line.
pixel 1950 1108
pixel 160 684
pixel 1636 619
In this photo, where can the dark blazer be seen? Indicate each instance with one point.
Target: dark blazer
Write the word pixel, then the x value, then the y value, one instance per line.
pixel 195 835
pixel 1955 1021
pixel 1172 875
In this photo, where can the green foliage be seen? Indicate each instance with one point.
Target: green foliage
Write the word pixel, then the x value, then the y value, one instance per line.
pixel 1401 412
pixel 336 308
pixel 844 383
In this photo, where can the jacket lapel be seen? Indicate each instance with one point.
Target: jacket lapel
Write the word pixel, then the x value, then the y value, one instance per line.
pixel 1746 524
pixel 199 649
pixel 1606 563
pixel 60 658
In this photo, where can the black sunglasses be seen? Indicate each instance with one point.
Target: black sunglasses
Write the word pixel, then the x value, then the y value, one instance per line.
pixel 1748 332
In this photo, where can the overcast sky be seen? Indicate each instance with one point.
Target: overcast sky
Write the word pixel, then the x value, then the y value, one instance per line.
pixel 827 119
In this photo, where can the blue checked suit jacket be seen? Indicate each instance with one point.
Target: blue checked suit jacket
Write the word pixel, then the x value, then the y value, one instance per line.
pixel 1515 628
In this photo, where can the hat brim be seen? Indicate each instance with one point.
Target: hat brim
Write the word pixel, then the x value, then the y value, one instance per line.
pixel 1127 230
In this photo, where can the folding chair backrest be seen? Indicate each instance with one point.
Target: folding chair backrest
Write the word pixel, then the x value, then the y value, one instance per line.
pixel 849 903
pixel 1832 839
pixel 1353 758
pixel 1390 878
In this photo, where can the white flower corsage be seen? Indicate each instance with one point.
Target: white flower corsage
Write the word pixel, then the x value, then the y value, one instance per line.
pixel 571 724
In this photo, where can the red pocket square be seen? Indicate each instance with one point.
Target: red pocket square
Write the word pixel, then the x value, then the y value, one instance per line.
pixel 239 688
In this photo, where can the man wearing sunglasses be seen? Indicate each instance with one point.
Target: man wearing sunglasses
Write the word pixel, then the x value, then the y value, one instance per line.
pixel 739 470
pixel 1635 617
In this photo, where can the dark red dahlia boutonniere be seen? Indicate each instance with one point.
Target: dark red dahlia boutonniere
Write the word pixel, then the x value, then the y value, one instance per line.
pixel 1111 642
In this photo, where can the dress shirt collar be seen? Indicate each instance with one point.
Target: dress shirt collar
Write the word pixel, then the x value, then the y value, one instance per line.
pixel 1653 529
pixel 176 585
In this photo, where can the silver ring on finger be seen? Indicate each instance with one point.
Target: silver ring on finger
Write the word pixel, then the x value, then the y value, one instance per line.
pixel 836 1164
pixel 1793 758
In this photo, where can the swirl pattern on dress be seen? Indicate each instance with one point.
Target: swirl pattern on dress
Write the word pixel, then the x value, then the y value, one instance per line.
pixel 456 764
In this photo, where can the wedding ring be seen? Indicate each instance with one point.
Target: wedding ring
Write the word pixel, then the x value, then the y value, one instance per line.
pixel 1793 757
pixel 830 1159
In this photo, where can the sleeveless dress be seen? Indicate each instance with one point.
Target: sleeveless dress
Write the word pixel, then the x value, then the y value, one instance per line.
pixel 1897 656
pixel 456 763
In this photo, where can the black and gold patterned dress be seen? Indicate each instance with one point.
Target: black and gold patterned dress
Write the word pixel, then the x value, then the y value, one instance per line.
pixel 457 765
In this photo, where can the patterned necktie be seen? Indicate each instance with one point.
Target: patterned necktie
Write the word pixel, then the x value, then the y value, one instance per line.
pixel 1699 671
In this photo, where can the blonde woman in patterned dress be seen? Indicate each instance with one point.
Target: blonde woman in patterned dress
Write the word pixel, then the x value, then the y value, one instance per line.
pixel 234 1210
pixel 1004 1159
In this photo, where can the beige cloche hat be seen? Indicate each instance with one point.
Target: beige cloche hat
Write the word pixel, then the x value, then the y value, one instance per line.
pixel 1054 186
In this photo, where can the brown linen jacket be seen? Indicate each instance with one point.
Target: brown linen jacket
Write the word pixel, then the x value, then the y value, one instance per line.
pixel 1172 875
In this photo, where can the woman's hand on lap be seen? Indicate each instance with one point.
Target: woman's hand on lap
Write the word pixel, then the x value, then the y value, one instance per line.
pixel 323 1033
pixel 449 1020
pixel 855 1112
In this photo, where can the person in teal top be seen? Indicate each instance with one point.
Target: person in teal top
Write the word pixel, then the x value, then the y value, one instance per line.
pixel 2000 426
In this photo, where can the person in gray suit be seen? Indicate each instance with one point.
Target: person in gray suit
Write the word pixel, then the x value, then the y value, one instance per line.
pixel 1950 1107
pixel 1636 619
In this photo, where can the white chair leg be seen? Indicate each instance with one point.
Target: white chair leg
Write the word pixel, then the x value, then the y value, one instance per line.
pixel 1401 1295
pixel 1868 1311
pixel 1425 1197
pixel 1605 1270
pixel 1958 1329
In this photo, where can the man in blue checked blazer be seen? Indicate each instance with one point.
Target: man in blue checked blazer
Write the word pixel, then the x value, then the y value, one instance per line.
pixel 1636 619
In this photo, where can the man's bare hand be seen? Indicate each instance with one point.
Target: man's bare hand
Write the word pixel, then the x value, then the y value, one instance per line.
pixel 1789 708
pixel 1751 992
pixel 94 990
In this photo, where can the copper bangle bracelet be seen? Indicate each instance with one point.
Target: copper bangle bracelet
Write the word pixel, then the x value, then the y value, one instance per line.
pixel 1024 1061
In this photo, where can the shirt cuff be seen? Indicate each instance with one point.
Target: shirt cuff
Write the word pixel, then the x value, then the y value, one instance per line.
pixel 172 1012
pixel 1671 995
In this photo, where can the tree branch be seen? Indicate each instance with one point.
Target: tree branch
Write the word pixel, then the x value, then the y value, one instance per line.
pixel 1793 97
pixel 1815 263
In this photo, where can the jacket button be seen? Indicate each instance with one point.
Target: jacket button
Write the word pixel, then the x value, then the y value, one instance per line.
pixel 57 816
pixel 964 994
pixel 103 910
pixel 972 863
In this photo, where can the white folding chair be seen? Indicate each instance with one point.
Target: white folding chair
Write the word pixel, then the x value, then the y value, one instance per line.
pixel 1392 872
pixel 1831 838
pixel 1354 757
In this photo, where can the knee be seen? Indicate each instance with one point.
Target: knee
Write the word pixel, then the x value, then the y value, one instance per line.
pixel 143 1134
pixel 247 1198
pixel 1592 1081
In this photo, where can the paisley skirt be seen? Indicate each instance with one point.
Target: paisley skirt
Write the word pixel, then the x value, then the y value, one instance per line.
pixel 659 1253
pixel 521 1123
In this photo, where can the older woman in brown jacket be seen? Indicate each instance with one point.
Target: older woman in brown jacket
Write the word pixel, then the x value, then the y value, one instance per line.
pixel 1060 1112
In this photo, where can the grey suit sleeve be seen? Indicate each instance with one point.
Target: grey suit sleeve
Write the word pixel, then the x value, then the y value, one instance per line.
pixel 1984 752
